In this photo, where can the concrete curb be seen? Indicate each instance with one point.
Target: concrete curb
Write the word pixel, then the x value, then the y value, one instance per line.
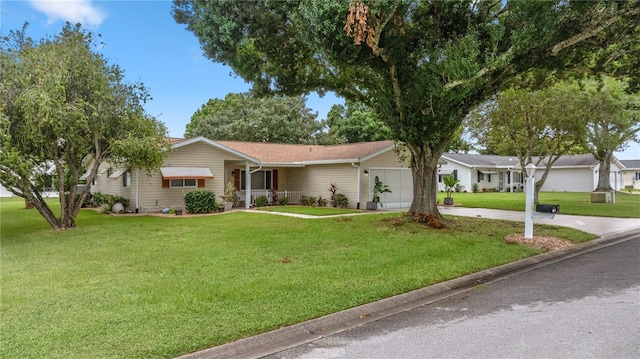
pixel 287 337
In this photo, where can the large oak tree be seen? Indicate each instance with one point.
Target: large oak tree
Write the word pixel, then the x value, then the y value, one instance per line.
pixel 64 107
pixel 421 65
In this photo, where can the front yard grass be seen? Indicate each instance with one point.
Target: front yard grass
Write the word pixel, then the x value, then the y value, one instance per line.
pixel 312 211
pixel 577 203
pixel 153 287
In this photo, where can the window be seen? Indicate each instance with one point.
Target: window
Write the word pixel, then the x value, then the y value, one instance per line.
pixel 455 174
pixel 517 177
pixel 488 177
pixel 259 180
pixel 637 176
pixel 126 179
pixel 480 176
pixel 183 183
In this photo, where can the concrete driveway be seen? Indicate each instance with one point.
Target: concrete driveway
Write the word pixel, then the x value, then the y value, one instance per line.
pixel 596 225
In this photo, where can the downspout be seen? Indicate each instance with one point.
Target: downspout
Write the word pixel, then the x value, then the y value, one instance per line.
pixel 137 190
pixel 358 184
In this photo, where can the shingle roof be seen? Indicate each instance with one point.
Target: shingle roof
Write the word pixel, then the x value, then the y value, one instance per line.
pixel 474 160
pixel 631 164
pixel 288 153
pixel 576 161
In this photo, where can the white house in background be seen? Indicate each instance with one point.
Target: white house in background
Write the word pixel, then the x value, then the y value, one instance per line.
pixel 630 174
pixel 5 192
pixel 572 173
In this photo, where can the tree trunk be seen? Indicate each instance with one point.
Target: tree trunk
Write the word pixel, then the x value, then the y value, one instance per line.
pixel 604 183
pixel 424 168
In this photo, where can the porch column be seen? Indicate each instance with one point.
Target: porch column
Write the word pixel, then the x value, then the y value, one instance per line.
pixel 511 180
pixel 247 181
pixel 137 190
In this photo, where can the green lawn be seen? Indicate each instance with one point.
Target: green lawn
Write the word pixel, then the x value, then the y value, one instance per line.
pixel 153 287
pixel 627 205
pixel 312 211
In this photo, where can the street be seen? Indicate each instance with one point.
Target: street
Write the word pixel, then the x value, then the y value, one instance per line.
pixel 587 306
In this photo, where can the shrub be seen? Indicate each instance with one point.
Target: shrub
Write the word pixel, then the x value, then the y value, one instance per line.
pixel 333 189
pixel 474 188
pixel 262 201
pixel 99 199
pixel 322 202
pixel 200 201
pixel 283 201
pixel 308 201
pixel 342 201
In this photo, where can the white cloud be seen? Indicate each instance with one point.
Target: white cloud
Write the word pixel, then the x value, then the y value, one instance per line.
pixel 74 11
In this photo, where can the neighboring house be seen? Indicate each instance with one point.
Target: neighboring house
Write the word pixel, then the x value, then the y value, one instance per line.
pixel 630 174
pixel 254 168
pixel 571 173
pixel 5 192
pixel 487 171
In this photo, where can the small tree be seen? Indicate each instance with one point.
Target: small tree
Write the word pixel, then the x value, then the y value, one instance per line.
pixel 450 183
pixel 64 107
pixel 378 189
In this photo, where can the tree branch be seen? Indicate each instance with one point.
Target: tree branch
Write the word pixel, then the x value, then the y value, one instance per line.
pixel 589 33
pixel 480 73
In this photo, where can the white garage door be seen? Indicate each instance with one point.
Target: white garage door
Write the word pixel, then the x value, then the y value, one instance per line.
pixel 400 183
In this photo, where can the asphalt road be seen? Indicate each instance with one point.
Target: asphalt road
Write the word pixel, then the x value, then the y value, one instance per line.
pixel 586 306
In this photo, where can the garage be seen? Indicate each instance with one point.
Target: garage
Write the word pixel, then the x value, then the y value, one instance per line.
pixel 400 183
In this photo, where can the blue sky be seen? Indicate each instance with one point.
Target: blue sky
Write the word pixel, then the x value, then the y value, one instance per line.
pixel 144 40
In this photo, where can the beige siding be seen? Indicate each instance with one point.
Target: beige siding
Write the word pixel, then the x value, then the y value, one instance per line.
pixel 113 186
pixel 153 197
pixel 315 180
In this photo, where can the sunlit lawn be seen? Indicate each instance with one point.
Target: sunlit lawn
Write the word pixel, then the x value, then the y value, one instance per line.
pixel 152 287
pixel 312 211
pixel 578 203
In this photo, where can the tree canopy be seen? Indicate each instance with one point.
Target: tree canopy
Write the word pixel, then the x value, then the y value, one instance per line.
pixel 355 122
pixel 537 126
pixel 65 107
pixel 243 117
pixel 420 65
pixel 611 118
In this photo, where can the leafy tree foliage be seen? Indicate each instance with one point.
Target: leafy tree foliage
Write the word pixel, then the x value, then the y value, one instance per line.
pixel 420 65
pixel 612 119
pixel 537 126
pixel 64 106
pixel 279 119
pixel 355 122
